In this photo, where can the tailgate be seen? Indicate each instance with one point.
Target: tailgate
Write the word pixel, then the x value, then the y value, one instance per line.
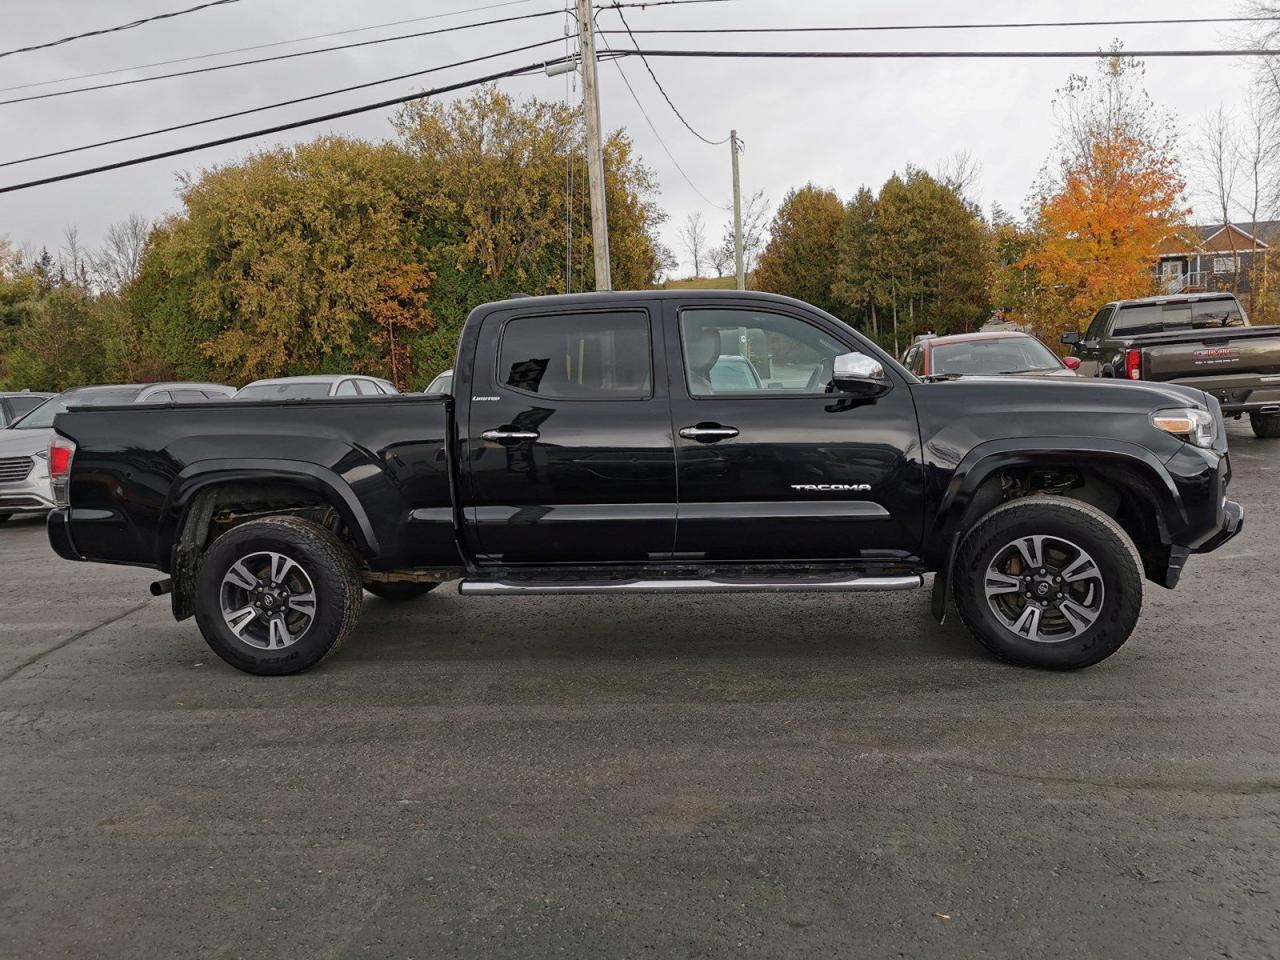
pixel 1217 359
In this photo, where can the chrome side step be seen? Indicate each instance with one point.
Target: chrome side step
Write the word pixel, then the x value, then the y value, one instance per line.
pixel 850 584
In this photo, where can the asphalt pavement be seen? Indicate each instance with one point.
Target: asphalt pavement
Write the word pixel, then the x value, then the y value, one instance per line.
pixel 732 776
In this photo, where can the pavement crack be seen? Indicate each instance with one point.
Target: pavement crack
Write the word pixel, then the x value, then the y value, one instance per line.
pixel 67 641
pixel 1189 786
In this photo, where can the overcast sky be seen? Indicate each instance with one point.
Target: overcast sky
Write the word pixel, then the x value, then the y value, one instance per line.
pixel 839 124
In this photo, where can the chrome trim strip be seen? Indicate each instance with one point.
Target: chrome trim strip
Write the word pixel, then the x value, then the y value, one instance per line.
pixel 851 584
pixel 783 510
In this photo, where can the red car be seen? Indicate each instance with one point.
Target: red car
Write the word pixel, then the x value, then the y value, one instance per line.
pixel 997 353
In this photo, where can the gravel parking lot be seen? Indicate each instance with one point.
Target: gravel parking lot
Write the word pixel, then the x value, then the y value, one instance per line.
pixel 616 777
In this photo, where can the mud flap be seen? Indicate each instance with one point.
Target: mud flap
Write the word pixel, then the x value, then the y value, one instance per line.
pixel 942 582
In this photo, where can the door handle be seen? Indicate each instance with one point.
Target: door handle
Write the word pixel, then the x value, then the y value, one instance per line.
pixel 708 434
pixel 500 435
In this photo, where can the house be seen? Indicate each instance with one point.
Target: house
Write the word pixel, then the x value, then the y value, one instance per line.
pixel 1216 257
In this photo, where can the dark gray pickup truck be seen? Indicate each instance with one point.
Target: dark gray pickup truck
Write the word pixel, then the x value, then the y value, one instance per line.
pixel 1198 340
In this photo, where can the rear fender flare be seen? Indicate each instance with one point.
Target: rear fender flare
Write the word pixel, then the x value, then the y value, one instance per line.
pixel 204 474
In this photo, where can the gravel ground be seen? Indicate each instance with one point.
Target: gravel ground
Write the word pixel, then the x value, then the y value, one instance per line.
pixel 652 776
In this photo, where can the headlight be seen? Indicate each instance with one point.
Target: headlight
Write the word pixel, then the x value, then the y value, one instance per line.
pixel 1189 423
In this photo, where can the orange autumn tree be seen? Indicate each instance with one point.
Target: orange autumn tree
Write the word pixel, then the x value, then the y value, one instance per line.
pixel 1096 223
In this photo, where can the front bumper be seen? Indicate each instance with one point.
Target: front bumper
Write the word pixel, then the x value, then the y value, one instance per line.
pixel 1232 524
pixel 32 493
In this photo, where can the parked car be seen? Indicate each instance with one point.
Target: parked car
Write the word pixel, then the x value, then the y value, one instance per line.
pixel 313 388
pixel 442 383
pixel 1003 352
pixel 24 467
pixel 16 405
pixel 587 449
pixel 1197 340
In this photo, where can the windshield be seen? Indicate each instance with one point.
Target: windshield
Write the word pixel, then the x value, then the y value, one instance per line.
pixel 998 355
pixel 42 416
pixel 299 390
pixel 441 384
pixel 1187 315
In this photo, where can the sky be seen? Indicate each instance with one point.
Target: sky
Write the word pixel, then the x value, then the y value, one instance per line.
pixel 839 124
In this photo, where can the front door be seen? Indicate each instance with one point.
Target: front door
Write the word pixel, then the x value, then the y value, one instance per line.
pixel 774 465
pixel 1089 349
pixel 569 456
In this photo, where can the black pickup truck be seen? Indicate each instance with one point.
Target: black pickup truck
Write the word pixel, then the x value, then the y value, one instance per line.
pixel 1201 340
pixel 662 442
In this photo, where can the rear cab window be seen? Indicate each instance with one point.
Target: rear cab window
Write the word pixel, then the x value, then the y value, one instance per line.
pixel 1140 318
pixel 585 356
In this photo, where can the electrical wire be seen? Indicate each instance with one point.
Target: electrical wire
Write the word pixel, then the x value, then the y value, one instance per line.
pixel 281 56
pixel 123 26
pixel 280 127
pixel 946 54
pixel 655 3
pixel 263 46
pixel 661 89
pixel 644 113
pixel 272 106
pixel 949 26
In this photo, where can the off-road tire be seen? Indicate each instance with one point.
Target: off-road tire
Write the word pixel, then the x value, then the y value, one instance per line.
pixel 399 592
pixel 327 562
pixel 1080 523
pixel 1265 425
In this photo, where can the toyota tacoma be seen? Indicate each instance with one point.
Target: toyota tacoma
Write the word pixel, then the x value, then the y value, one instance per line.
pixel 595 444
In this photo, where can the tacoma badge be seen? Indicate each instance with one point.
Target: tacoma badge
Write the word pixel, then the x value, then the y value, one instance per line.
pixel 837 487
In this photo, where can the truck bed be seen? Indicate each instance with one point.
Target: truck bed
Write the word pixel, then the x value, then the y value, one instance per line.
pixel 1240 366
pixel 139 468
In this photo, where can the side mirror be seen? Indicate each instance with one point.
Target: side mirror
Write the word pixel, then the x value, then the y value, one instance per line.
pixel 859 375
pixel 1071 337
pixel 1071 363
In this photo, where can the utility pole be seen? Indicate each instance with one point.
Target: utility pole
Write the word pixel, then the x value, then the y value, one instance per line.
pixel 595 146
pixel 737 213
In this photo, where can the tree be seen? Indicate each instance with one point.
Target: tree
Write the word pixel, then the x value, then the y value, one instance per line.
pixel 1215 155
pixel 801 257
pixel 754 218
pixel 721 259
pixel 115 265
pixel 855 283
pixel 694 237
pixel 1100 213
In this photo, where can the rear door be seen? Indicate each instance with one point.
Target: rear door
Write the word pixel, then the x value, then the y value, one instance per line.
pixel 788 471
pixel 568 453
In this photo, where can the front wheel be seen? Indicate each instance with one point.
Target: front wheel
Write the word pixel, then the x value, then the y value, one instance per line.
pixel 277 595
pixel 1265 425
pixel 1049 582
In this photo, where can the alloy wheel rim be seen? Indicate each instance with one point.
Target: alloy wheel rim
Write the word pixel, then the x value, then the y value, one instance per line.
pixel 268 600
pixel 1044 589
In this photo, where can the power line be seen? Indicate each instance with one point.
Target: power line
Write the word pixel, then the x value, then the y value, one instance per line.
pixel 263 46
pixel 273 106
pixel 281 56
pixel 655 3
pixel 949 26
pixel 661 89
pixel 945 54
pixel 644 113
pixel 279 128
pixel 123 26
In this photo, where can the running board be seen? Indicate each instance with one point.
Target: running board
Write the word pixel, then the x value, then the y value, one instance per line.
pixel 851 584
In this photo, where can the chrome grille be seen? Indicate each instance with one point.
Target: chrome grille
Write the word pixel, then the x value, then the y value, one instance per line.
pixel 13 469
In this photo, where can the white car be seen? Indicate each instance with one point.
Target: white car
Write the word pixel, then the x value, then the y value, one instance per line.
pixel 24 445
pixel 311 388
pixel 443 383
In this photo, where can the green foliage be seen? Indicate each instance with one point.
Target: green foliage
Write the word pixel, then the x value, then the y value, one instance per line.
pixel 800 259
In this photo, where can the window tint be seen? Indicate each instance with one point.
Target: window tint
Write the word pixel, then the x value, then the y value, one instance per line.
pixel 590 356
pixel 748 351
pixel 347 388
pixel 1098 325
pixel 1157 317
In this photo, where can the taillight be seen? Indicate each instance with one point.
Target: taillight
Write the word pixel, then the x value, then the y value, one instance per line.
pixel 61 452
pixel 1133 364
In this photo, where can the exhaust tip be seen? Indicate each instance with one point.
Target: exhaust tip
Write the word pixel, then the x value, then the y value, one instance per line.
pixel 161 587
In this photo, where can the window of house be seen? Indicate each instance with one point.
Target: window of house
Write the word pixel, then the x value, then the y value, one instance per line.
pixel 1226 264
pixel 585 356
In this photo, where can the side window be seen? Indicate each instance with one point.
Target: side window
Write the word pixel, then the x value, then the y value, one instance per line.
pixel 588 356
pixel 1098 326
pixel 912 360
pixel 6 416
pixel 189 396
pixel 347 388
pixel 160 396
pixel 749 351
pixel 367 388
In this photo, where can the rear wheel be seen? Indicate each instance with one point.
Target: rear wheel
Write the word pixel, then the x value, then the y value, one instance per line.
pixel 1265 425
pixel 277 595
pixel 1049 582
pixel 398 592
